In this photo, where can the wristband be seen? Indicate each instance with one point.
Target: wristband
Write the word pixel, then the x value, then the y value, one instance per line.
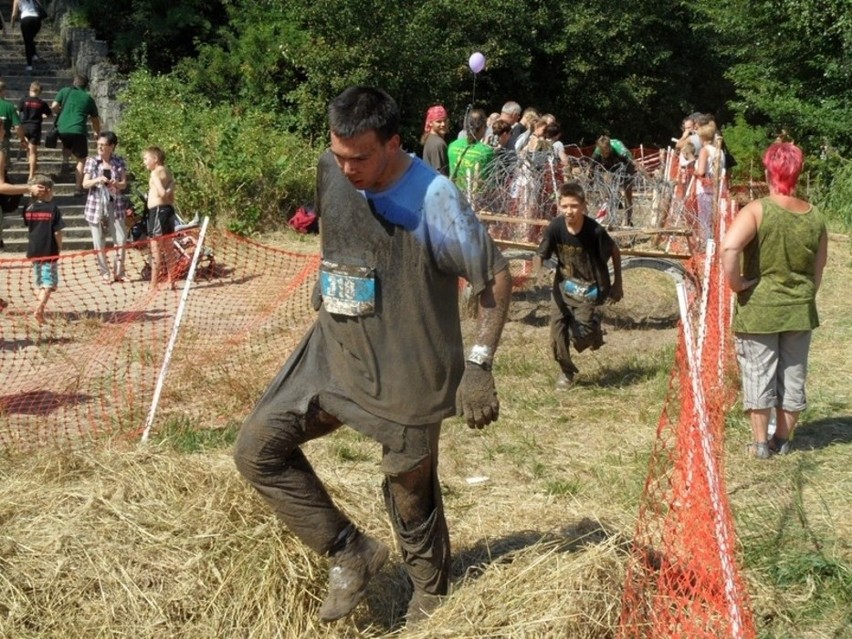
pixel 481 355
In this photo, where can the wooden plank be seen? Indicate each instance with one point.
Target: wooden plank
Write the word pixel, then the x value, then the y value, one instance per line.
pixel 527 246
pixel 511 219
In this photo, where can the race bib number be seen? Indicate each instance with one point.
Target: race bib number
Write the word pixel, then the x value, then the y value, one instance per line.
pixel 348 290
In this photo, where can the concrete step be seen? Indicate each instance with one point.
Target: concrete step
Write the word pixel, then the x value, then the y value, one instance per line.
pixel 52 72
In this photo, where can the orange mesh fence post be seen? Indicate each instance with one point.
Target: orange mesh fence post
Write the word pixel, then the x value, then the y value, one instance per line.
pixel 683 581
pixel 91 368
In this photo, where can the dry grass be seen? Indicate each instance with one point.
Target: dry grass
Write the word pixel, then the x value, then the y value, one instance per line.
pixel 116 541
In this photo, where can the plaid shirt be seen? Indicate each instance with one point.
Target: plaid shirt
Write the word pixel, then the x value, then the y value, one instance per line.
pixel 93 170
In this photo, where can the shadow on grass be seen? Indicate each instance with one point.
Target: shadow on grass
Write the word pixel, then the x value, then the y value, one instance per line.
pixel 640 322
pixel 824 432
pixel 625 374
pixel 473 562
pixel 40 402
pixel 18 344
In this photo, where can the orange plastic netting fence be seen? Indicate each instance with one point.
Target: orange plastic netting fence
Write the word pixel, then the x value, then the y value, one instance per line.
pixel 92 368
pixel 683 581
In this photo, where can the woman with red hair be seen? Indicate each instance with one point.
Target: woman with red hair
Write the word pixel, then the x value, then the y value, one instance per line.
pixel 784 247
pixel 434 146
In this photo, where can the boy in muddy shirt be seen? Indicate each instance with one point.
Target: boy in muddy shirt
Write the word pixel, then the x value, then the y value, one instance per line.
pixel 581 283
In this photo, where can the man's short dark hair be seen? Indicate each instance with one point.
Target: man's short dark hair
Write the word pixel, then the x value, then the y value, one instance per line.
pixel 572 189
pixel 81 81
pixel 361 109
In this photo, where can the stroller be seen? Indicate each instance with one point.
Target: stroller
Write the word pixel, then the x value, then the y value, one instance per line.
pixel 183 245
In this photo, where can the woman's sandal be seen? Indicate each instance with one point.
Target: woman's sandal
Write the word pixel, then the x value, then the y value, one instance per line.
pixel 779 446
pixel 758 450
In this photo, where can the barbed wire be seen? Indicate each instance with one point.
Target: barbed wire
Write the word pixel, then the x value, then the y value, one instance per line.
pixel 525 187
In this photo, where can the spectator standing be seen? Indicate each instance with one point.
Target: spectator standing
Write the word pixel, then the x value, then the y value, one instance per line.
pixel 774 254
pixel 161 213
pixel 74 106
pixel 434 145
pixel 688 133
pixel 394 247
pixel 511 113
pixel 470 158
pixel 709 171
pixel 529 120
pixel 105 178
pixel 613 156
pixel 31 12
pixel 33 110
pixel 44 223
pixel 582 248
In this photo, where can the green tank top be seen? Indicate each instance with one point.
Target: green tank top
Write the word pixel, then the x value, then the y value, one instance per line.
pixel 782 256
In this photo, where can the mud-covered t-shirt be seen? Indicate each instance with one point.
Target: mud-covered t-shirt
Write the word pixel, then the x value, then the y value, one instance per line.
pixel 403 360
pixel 582 257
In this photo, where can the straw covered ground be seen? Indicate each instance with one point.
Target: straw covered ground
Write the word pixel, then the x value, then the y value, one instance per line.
pixel 116 540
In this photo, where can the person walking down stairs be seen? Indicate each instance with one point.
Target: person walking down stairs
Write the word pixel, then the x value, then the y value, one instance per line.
pixel 32 13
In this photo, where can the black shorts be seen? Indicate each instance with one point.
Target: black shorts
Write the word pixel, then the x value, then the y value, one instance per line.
pixel 161 220
pixel 33 133
pixel 77 143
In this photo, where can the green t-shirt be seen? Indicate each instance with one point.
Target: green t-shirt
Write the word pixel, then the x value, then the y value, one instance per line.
pixel 9 114
pixel 474 159
pixel 782 256
pixel 77 105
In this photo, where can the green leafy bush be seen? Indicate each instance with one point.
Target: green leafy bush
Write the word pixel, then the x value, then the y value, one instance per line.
pixel 747 144
pixel 236 165
pixel 831 189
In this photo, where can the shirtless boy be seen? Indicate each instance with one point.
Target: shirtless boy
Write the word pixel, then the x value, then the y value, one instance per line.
pixel 161 211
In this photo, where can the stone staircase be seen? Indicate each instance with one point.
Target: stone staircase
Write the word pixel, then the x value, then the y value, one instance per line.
pixel 52 72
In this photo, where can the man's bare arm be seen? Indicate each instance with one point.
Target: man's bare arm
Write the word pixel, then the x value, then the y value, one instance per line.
pixel 493 309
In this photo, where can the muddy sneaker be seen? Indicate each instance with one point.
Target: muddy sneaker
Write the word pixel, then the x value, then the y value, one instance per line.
pixel 779 446
pixel 758 450
pixel 421 607
pixel 564 382
pixel 351 571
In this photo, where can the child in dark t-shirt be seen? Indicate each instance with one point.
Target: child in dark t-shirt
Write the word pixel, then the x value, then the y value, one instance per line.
pixel 44 223
pixel 581 283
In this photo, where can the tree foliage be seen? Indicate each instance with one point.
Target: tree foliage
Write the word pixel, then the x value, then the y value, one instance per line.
pixel 154 33
pixel 790 62
pixel 598 65
pixel 631 68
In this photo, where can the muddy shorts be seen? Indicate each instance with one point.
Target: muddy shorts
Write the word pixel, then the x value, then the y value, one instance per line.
pixel 774 367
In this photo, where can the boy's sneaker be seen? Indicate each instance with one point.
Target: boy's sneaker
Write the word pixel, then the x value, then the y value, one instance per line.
pixel 351 571
pixel 564 382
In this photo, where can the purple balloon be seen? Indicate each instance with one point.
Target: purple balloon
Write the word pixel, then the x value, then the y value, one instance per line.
pixel 476 62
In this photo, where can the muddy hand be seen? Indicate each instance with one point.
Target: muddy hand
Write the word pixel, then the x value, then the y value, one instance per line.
pixel 476 397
